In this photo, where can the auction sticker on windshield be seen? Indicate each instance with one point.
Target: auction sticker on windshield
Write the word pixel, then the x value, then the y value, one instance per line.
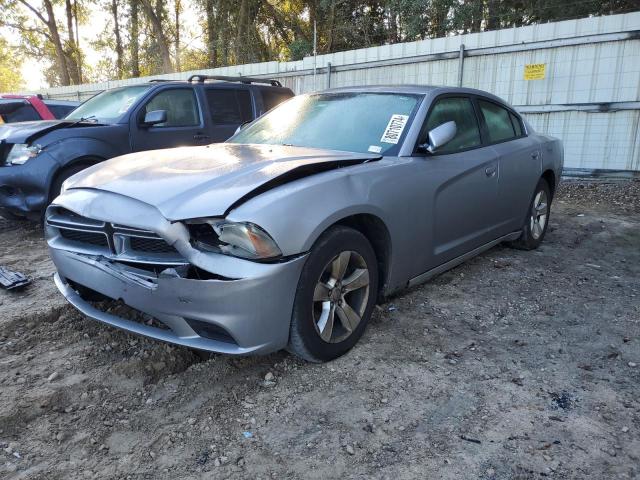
pixel 394 129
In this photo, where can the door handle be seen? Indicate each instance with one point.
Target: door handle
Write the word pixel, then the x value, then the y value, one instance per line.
pixel 490 171
pixel 535 155
pixel 200 137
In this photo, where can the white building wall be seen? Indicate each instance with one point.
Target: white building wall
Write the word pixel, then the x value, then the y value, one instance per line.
pixel 590 97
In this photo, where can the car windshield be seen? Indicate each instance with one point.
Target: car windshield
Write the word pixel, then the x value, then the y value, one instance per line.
pixel 350 121
pixel 110 105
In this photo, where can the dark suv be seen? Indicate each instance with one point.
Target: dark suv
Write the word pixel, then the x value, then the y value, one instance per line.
pixel 37 157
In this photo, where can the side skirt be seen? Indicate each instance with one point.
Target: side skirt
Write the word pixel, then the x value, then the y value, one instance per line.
pixel 429 274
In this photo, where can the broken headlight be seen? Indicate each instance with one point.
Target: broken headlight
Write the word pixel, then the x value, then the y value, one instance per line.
pixel 240 239
pixel 20 153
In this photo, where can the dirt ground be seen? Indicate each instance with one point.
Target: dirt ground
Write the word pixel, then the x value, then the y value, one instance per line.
pixel 513 365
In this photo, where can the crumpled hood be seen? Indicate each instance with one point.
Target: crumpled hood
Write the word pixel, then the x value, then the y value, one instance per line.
pixel 22 132
pixel 191 182
pixel 28 132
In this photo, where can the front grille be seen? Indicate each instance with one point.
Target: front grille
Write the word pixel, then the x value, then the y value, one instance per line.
pixel 92 238
pixel 120 241
pixel 141 244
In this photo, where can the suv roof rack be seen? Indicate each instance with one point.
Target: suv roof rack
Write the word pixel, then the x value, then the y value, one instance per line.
pixel 203 78
pixel 154 80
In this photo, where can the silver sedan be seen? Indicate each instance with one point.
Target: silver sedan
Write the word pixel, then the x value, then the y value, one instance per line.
pixel 288 234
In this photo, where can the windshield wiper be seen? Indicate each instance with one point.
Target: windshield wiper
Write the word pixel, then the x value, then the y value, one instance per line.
pixel 84 119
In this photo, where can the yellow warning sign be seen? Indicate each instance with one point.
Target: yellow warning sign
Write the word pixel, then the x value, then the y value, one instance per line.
pixel 534 71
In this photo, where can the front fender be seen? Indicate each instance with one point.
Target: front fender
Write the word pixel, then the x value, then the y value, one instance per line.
pixel 67 150
pixel 296 214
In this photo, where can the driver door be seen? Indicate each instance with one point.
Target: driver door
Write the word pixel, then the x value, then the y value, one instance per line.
pixel 184 125
pixel 463 184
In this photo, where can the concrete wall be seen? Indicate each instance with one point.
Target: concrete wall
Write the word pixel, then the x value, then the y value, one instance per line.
pixel 590 96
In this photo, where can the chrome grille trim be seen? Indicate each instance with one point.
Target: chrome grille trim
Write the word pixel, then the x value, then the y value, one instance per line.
pixel 151 248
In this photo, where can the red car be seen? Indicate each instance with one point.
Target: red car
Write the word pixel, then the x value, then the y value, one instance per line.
pixel 26 108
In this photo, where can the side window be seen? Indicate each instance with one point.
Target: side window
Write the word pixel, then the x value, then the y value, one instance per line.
pixel 18 112
pixel 517 126
pixel 498 120
pixel 459 110
pixel 181 107
pixel 272 98
pixel 229 106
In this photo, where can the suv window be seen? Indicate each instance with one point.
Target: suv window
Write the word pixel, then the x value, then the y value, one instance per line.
pixel 229 105
pixel 459 110
pixel 272 98
pixel 17 111
pixel 179 103
pixel 498 120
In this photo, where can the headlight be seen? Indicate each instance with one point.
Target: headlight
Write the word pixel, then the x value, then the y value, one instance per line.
pixel 244 240
pixel 20 153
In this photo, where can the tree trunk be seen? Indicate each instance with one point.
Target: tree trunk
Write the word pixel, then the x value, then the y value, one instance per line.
pixel 72 53
pixel 80 58
pixel 119 48
pixel 155 19
pixel 134 44
pixel 241 32
pixel 63 69
pixel 211 34
pixel 177 9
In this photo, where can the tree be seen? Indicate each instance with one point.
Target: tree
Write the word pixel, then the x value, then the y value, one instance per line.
pixel 10 64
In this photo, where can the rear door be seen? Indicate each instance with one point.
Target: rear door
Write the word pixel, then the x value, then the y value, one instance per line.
pixel 184 125
pixel 519 162
pixel 228 108
pixel 462 183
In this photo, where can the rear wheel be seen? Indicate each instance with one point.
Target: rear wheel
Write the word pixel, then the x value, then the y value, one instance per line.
pixel 537 219
pixel 335 296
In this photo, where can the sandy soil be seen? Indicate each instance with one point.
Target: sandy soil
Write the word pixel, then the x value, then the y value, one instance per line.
pixel 513 365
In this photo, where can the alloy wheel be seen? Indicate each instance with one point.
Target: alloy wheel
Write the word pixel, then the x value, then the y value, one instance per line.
pixel 340 296
pixel 539 214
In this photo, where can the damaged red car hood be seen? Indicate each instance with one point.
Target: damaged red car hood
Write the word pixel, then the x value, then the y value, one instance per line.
pixel 185 182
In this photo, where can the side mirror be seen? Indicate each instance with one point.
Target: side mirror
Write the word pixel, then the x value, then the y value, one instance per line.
pixel 440 136
pixel 241 127
pixel 154 118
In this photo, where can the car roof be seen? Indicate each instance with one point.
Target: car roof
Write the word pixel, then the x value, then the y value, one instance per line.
pixel 415 89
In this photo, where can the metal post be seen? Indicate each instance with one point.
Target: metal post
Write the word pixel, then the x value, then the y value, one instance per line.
pixel 329 75
pixel 460 64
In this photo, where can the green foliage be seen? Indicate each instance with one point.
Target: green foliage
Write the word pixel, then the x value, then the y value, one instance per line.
pixel 147 37
pixel 10 76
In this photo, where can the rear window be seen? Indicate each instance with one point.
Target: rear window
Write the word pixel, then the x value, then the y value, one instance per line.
pixel 229 106
pixel 498 122
pixel 272 98
pixel 13 111
pixel 60 111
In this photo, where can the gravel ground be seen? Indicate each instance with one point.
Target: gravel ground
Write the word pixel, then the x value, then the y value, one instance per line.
pixel 513 365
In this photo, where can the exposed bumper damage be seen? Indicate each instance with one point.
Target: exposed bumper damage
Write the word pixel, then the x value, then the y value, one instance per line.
pixel 24 189
pixel 232 305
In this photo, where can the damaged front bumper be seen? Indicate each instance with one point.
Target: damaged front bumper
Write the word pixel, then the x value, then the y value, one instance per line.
pixel 233 306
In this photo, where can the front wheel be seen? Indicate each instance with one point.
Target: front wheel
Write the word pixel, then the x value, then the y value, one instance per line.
pixel 336 294
pixel 537 218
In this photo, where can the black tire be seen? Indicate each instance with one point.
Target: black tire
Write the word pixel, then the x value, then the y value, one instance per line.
pixel 530 240
pixel 304 339
pixel 56 186
pixel 64 174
